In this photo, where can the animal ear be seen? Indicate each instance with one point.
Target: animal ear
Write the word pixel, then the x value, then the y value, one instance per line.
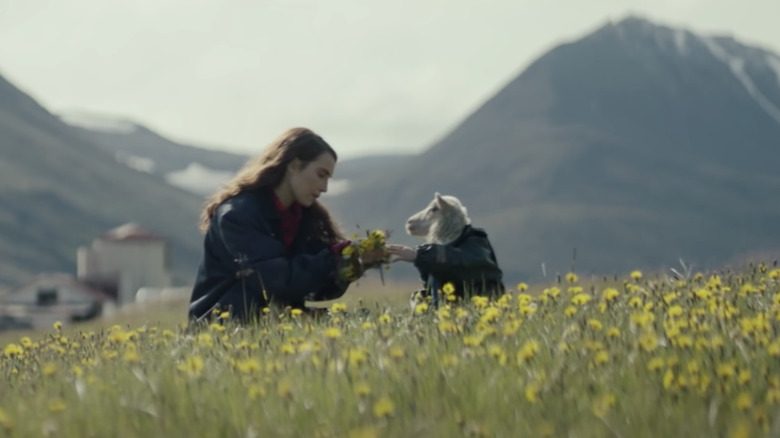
pixel 439 200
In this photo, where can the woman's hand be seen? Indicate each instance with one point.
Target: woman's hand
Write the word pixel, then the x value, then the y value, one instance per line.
pixel 402 253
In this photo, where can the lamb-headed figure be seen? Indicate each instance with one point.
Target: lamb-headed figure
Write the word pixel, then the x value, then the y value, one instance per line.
pixel 454 252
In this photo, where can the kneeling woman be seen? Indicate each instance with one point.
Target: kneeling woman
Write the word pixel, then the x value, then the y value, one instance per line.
pixel 268 241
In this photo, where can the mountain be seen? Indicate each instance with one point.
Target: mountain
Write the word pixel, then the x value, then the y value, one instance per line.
pixel 59 190
pixel 193 168
pixel 636 144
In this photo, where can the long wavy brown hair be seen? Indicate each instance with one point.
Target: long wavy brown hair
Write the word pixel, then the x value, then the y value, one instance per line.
pixel 267 170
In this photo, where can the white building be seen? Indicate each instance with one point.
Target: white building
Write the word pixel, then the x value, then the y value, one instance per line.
pixel 129 257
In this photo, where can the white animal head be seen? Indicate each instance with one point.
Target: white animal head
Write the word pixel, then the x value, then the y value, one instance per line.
pixel 441 221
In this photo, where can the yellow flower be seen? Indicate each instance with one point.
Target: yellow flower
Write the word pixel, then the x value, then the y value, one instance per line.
pixel 338 307
pixel 602 405
pixel 362 389
pixel 385 318
pixel 744 401
pixel 384 407
pixel 448 288
pixel 636 275
pixel 610 294
pixel 528 351
pixel 580 299
pixel 396 352
pixel 256 392
pixel 57 406
pixel 725 370
pixel 655 364
pixel 522 287
pixel 532 392
pixel 420 308
pixel 479 301
pixel 668 379
pixel 57 325
pixel 5 422
pixel 528 310
pixel 571 277
pixel 601 357
pixel 217 327
pixel 773 396
pixel 648 341
pixel 332 333
pixel 497 353
pixel 446 326
pixel 49 369
pixel 511 327
pixel 284 388
pixel 363 432
pixel 472 341
pixel 131 354
pixel 192 366
pixel 205 340
pixel 356 357
pixel 13 350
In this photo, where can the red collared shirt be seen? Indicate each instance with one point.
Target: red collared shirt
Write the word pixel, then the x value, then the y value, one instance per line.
pixel 291 217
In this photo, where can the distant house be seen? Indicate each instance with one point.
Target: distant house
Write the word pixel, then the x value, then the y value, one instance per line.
pixel 49 298
pixel 126 258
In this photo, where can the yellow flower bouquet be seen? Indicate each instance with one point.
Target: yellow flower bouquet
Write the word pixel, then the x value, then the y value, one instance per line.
pixel 362 254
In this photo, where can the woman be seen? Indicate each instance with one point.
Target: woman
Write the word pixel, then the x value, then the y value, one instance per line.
pixel 268 241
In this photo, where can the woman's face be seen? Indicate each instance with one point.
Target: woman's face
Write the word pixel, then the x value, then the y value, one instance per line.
pixel 311 180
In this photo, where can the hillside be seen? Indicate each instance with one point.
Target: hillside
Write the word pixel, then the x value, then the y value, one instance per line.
pixel 193 168
pixel 59 190
pixel 636 144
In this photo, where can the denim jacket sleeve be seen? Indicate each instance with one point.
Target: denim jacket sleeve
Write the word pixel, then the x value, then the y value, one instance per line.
pixel 250 242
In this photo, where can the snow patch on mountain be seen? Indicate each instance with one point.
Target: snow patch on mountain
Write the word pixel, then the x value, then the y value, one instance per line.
pixel 141 164
pixel 774 63
pixel 198 179
pixel 98 123
pixel 680 40
pixel 737 66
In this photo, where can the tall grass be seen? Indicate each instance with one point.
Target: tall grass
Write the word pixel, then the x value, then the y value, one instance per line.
pixel 636 357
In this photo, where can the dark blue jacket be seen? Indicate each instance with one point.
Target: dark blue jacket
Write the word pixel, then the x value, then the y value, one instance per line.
pixel 469 263
pixel 246 265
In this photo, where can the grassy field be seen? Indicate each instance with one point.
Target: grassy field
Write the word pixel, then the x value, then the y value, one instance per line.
pixel 637 357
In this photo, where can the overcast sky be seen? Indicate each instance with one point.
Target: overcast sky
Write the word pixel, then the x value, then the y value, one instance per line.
pixel 369 76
